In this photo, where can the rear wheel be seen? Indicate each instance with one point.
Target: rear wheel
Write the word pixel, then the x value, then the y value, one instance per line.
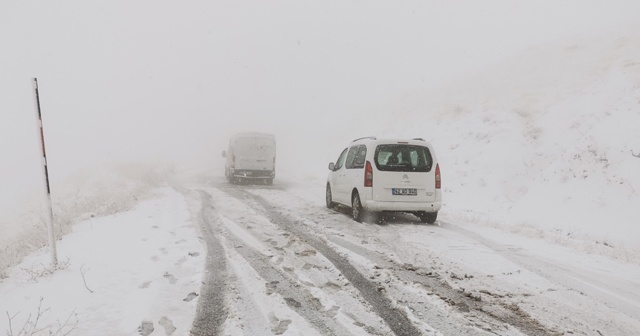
pixel 232 179
pixel 428 217
pixel 357 212
pixel 329 198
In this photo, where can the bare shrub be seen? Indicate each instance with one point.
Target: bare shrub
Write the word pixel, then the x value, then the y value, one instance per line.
pixel 41 271
pixel 32 324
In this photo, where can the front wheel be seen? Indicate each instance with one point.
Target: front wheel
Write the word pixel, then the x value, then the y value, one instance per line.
pixel 428 217
pixel 357 212
pixel 329 198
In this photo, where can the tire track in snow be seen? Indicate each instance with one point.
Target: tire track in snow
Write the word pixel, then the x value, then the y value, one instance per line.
pixel 464 302
pixel 396 319
pixel 493 311
pixel 211 312
pixel 572 278
pixel 296 297
pixel 489 310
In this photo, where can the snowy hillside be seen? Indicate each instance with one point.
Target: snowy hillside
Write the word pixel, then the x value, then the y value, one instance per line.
pixel 547 140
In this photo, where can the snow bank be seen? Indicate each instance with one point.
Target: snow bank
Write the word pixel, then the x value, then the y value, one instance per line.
pixel 94 193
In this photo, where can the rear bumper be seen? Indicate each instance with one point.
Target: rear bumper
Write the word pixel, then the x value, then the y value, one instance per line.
pixel 253 174
pixel 371 205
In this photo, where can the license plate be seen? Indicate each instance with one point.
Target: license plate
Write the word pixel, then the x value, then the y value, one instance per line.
pixel 405 191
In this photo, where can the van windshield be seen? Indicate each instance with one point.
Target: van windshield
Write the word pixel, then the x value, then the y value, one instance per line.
pixel 403 158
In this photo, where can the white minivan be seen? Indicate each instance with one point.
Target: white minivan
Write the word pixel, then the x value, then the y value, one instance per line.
pixel 386 175
pixel 251 156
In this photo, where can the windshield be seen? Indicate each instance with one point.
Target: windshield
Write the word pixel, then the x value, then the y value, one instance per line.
pixel 404 158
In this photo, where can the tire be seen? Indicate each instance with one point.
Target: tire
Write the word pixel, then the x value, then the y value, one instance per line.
pixel 329 198
pixel 357 212
pixel 428 217
pixel 268 181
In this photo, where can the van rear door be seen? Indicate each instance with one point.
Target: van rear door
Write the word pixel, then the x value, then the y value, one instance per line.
pixel 255 152
pixel 403 173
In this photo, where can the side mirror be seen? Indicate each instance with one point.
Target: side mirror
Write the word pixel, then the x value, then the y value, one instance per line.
pixel 331 166
pixel 224 154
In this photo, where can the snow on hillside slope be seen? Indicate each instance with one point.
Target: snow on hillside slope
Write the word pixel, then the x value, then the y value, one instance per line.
pixel 548 140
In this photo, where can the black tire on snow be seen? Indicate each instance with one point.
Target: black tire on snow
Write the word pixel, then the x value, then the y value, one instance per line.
pixel 357 212
pixel 428 217
pixel 329 198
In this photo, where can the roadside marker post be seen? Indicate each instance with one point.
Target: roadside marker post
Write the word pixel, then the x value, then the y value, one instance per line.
pixel 51 232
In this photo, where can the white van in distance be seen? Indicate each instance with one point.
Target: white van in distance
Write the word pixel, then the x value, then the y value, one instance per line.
pixel 372 176
pixel 251 156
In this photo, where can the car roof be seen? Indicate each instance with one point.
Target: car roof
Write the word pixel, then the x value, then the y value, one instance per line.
pixel 252 135
pixel 376 141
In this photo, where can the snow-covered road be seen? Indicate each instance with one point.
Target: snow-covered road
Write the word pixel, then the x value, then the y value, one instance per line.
pixel 296 267
pixel 209 258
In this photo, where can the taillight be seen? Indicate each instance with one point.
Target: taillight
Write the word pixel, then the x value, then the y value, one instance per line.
pixel 368 175
pixel 437 176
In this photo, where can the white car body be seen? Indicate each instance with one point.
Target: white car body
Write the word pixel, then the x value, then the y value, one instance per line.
pixel 251 156
pixel 366 169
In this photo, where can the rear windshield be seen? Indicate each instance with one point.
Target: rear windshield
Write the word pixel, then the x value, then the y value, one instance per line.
pixel 403 158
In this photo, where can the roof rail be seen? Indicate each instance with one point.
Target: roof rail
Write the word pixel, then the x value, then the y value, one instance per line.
pixel 369 137
pixel 419 139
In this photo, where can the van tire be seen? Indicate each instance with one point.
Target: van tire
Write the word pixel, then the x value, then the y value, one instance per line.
pixel 357 212
pixel 428 217
pixel 329 198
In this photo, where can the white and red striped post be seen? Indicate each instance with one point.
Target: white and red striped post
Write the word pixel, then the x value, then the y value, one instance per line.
pixel 51 232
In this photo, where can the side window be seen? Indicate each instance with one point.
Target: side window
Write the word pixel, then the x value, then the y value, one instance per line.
pixel 351 157
pixel 356 157
pixel 360 157
pixel 385 158
pixel 340 161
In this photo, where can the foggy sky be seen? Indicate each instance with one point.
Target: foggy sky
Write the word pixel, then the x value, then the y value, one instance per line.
pixel 168 80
